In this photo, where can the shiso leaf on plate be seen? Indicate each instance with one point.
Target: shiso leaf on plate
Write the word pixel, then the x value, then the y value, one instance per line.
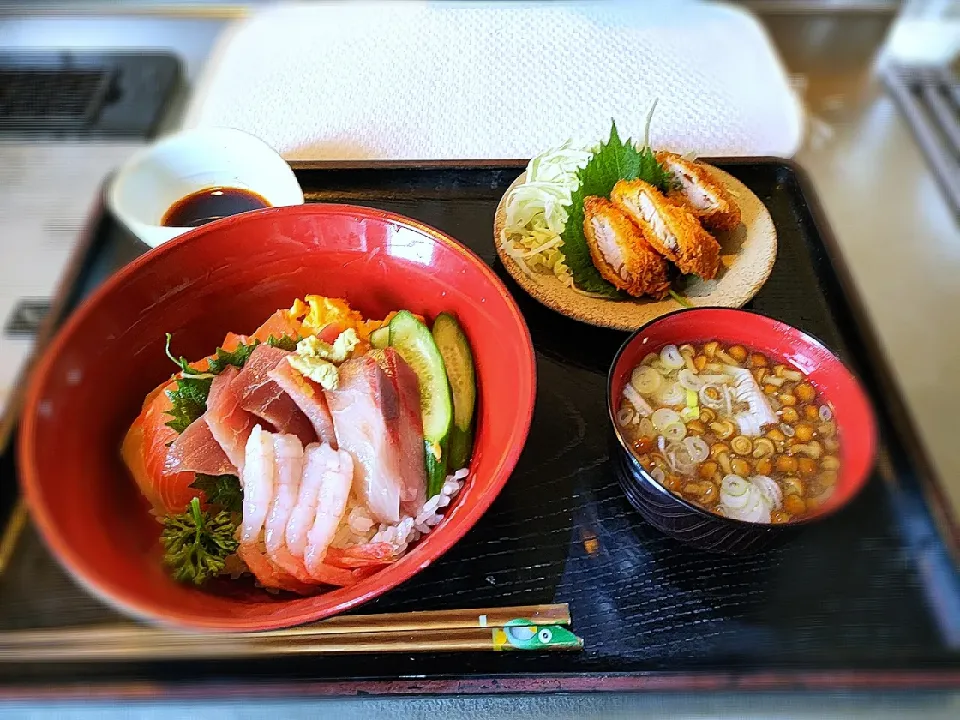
pixel 614 160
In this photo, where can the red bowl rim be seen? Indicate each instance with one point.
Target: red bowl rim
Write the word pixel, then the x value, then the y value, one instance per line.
pixel 870 432
pixel 386 579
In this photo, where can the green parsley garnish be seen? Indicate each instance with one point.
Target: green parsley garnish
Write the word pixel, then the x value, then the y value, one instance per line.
pixel 197 543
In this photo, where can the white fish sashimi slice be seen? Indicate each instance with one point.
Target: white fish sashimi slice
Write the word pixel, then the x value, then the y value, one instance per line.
pixel 288 454
pixel 406 430
pixel 259 468
pixel 366 414
pixel 337 476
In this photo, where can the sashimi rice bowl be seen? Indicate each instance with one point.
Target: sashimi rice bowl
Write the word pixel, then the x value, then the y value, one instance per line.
pixel 276 417
pixel 311 453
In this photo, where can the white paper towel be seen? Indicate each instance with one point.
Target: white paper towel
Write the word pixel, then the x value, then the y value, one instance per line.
pixel 414 80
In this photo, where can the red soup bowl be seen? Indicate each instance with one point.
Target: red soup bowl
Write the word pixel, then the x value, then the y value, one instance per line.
pixel 673 515
pixel 230 276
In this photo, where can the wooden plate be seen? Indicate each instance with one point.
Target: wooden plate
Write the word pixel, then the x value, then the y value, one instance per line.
pixel 747 256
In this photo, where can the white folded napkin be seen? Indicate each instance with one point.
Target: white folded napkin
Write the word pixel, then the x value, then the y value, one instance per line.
pixel 416 80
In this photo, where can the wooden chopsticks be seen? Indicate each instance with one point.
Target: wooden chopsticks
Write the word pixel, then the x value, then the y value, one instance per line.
pixel 527 627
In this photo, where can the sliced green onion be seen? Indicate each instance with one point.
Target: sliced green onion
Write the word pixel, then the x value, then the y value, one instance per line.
pixel 664 417
pixel 645 380
pixel 675 432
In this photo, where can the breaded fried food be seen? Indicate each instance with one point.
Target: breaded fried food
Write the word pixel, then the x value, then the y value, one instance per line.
pixel 710 201
pixel 671 229
pixel 620 251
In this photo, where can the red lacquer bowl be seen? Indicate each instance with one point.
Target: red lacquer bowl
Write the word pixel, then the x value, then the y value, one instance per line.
pixel 230 276
pixel 855 422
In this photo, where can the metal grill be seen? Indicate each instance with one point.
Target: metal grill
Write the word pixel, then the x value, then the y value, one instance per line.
pixel 27 317
pixel 930 101
pixel 43 99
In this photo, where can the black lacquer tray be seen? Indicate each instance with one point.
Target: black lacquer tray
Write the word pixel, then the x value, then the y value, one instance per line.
pixel 868 598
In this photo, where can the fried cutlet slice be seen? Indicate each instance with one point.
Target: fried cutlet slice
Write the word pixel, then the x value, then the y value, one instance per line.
pixel 710 201
pixel 671 229
pixel 620 252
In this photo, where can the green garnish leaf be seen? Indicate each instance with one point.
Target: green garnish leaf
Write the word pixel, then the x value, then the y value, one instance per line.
pixel 189 401
pixel 197 543
pixel 614 160
pixel 236 357
pixel 180 362
pixel 285 342
pixel 224 491
pixel 680 299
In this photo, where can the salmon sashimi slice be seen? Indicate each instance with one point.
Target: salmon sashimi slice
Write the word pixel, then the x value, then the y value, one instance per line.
pixel 145 449
pixel 263 397
pixel 366 410
pixel 229 423
pixel 197 451
pixel 309 397
pixel 278 325
pixel 408 431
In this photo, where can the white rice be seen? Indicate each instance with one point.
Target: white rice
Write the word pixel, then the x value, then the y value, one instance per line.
pixel 411 529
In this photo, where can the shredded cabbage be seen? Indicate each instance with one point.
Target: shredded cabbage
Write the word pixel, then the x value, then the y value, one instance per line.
pixel 536 212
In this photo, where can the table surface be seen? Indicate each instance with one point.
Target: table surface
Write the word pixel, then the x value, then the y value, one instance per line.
pixel 897 233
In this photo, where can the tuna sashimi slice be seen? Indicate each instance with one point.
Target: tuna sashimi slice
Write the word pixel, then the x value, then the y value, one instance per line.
pixel 409 430
pixel 264 398
pixel 370 417
pixel 196 450
pixel 229 423
pixel 309 397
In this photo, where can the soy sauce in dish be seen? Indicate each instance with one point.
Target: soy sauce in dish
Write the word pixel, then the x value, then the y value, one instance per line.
pixel 211 204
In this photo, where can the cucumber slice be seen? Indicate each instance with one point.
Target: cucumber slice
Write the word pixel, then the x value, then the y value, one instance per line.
pixel 458 361
pixel 413 341
pixel 380 337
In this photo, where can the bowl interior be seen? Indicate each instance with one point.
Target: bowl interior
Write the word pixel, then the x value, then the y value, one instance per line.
pixel 855 422
pixel 230 276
